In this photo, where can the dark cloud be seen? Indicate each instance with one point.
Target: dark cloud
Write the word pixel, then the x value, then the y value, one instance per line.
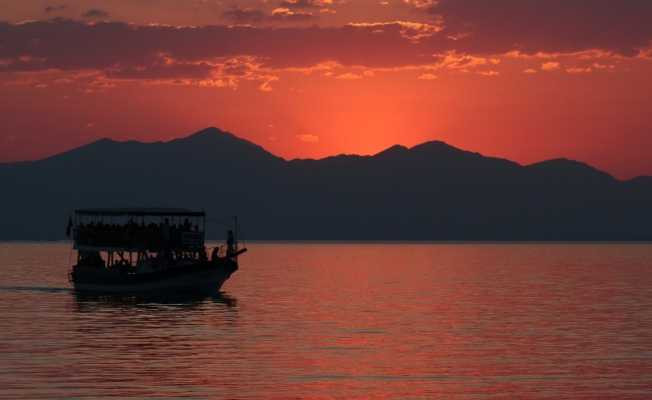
pixel 244 15
pixel 95 13
pixel 161 71
pixel 252 15
pixel 303 4
pixel 69 45
pixel 190 51
pixel 490 26
pixel 55 8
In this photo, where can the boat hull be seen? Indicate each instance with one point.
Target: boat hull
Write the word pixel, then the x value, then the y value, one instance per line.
pixel 199 278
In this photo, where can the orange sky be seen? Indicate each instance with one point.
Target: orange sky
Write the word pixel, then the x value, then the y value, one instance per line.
pixel 521 79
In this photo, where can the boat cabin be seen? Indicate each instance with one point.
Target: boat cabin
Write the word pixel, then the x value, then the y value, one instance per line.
pixel 138 237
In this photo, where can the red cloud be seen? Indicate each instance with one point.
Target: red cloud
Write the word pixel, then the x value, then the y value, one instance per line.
pixel 558 26
pixel 121 49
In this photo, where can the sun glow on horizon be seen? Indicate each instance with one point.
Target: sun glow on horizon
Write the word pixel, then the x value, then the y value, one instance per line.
pixel 322 80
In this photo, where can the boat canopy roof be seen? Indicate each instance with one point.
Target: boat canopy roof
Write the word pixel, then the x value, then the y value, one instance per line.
pixel 140 212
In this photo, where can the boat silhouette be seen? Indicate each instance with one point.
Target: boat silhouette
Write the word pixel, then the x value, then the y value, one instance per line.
pixel 154 250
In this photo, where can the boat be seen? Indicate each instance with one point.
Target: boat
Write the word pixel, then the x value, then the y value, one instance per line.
pixel 148 251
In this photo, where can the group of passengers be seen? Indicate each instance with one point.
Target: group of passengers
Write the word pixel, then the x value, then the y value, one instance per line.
pixel 134 233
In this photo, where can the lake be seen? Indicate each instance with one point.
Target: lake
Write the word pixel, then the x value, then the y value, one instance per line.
pixel 340 321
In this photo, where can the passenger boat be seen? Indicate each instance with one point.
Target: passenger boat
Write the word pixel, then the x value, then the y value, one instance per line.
pixel 148 251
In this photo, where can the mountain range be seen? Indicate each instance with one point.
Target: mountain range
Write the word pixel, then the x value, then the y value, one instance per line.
pixel 431 191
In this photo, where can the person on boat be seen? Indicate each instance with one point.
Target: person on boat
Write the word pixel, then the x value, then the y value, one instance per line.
pixel 215 254
pixel 69 227
pixel 165 232
pixel 230 244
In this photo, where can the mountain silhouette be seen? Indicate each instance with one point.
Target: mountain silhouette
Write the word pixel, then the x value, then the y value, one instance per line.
pixel 432 191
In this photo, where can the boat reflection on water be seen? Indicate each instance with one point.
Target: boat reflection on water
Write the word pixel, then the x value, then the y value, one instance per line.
pixel 90 302
pixel 158 329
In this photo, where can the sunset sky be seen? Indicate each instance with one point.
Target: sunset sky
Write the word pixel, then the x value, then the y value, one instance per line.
pixel 522 79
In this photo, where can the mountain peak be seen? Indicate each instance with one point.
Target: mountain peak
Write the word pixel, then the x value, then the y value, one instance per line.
pixel 209 132
pixel 211 136
pixel 563 163
pixel 214 142
pixel 436 146
pixel 394 150
pixel 564 169
pixel 102 141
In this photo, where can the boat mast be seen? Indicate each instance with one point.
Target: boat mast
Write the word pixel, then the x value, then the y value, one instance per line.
pixel 235 221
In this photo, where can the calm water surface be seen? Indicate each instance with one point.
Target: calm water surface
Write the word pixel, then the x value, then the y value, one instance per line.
pixel 400 321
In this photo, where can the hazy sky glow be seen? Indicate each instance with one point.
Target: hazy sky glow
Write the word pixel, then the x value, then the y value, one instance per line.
pixel 522 79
